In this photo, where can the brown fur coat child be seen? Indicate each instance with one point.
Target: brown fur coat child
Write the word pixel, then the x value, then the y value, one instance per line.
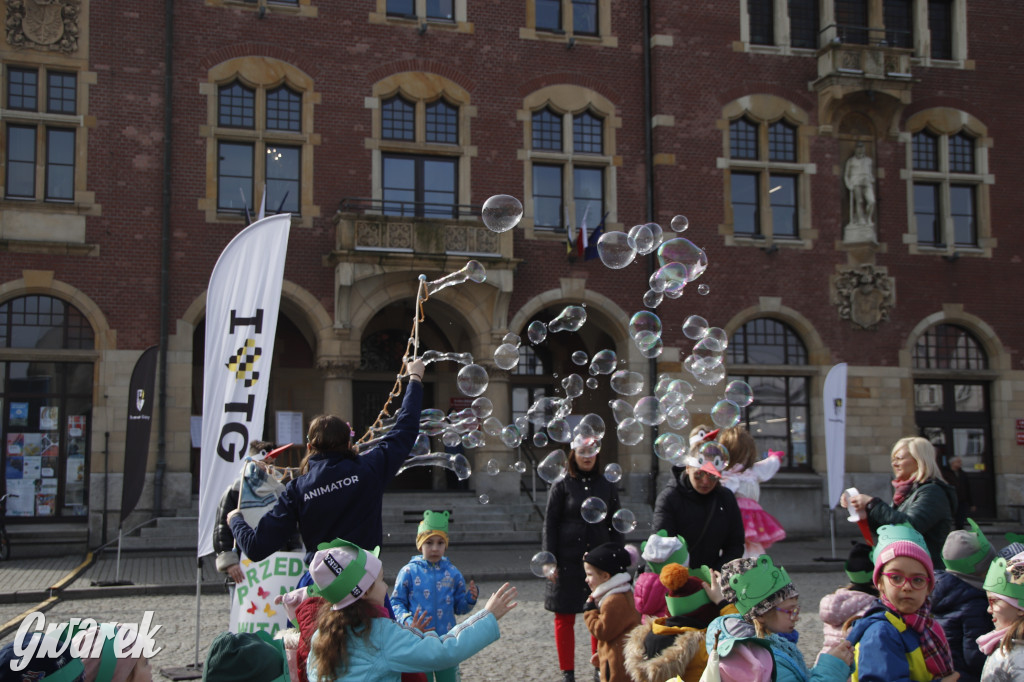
pixel 685 656
pixel 610 624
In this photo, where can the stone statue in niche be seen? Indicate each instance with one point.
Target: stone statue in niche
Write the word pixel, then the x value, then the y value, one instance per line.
pixel 864 296
pixel 43 24
pixel 859 178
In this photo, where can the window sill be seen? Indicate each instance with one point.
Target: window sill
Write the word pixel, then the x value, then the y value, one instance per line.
pixel 422 25
pixel 568 39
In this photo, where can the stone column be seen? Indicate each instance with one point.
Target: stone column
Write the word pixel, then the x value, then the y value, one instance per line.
pixel 504 486
pixel 337 374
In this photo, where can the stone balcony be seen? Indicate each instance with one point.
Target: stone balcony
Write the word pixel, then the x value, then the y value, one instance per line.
pixel 877 71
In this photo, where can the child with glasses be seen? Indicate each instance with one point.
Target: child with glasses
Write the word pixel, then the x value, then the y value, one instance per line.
pixel 898 639
pixel 753 646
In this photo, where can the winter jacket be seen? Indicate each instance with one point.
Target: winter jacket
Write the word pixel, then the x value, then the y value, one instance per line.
pixel 837 608
pixel 649 660
pixel 787 659
pixel 962 611
pixel 224 541
pixel 681 510
pixel 568 537
pixel 1005 666
pixel 929 508
pixel 610 624
pixel 340 496
pixel 438 589
pixel 885 649
pixel 393 649
pixel 649 595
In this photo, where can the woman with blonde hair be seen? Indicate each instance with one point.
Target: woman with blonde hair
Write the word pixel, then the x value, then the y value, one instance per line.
pixel 920 496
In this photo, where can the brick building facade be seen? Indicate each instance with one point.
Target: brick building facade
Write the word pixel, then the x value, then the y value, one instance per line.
pixel 383 125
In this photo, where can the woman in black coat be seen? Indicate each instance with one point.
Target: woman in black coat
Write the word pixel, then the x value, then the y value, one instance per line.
pixel 568 537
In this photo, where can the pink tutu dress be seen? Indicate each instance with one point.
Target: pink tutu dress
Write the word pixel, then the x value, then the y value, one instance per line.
pixel 762 530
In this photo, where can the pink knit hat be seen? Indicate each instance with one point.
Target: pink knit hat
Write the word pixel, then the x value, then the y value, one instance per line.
pixel 897 541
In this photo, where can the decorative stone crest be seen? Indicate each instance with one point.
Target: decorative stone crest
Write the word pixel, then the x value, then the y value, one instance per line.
pixel 864 295
pixel 43 24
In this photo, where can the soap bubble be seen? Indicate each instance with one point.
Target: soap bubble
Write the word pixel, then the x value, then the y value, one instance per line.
pixel 630 432
pixel 544 409
pixel 725 414
pixel 712 376
pixel 713 450
pixel 472 380
pixel 677 417
pixel 543 564
pixel 460 465
pixel 579 358
pixel 652 299
pixel 739 392
pixel 472 271
pixel 648 411
pixel 512 338
pixel 501 213
pixel 553 467
pixel 644 321
pixel 472 439
pixel 559 430
pixel 493 468
pixel 695 327
pixel 519 467
pixel 689 255
pixel 669 278
pixel 703 289
pixel 540 439
pixel 593 510
pixel 668 446
pixel 643 239
pixel 652 350
pixel 603 362
pixel 482 408
pixel 537 332
pixel 621 410
pixel 484 498
pixel 506 356
pixel 683 388
pixel 591 383
pixel 573 386
pixel 616 249
pixel 624 521
pixel 625 382
pixel 613 472
pixel 421 446
pixel 679 223
pixel 456 463
pixel 708 352
pixel 511 436
pixel 591 425
pixel 492 426
pixel 570 319
pixel 671 399
pixel 716 339
pixel 451 438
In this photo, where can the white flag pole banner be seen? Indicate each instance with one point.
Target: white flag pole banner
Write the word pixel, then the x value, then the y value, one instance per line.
pixel 834 396
pixel 252 604
pixel 241 318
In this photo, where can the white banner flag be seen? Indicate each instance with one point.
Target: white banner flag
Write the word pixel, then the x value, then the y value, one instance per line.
pixel 241 318
pixel 834 396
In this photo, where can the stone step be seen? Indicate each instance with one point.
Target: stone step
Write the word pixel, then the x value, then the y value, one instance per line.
pixel 57 539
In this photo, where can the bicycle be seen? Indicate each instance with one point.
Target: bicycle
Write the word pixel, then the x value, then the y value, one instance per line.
pixel 5 540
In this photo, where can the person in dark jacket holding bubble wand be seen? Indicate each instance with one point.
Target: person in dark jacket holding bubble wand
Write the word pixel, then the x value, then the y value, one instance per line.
pixel 571 529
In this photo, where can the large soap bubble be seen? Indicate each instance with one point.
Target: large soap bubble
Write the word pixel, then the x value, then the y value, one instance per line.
pixel 573 386
pixel 511 436
pixel 482 408
pixel 644 321
pixel 650 348
pixel 570 319
pixel 669 278
pixel 630 432
pixel 695 327
pixel 543 564
pixel 472 380
pixel 652 298
pixel 616 249
pixel 540 439
pixel 473 439
pixel 421 446
pixel 725 414
pixel 456 463
pixel 621 410
pixel 559 430
pixel 716 339
pixel 593 510
pixel 679 223
pixel 603 362
pixel 648 411
pixel 512 338
pixel 613 472
pixel 493 467
pixel 677 417
pixel 739 392
pixel 501 213
pixel 579 357
pixel 472 271
pixel 668 446
pixel 625 382
pixel 492 426
pixel 537 332
pixel 506 356
pixel 683 251
pixel 624 521
pixel 553 467
pixel 712 376
pixel 643 239
pixel 591 425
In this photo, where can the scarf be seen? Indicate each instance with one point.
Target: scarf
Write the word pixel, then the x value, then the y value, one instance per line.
pixel 614 585
pixel 901 490
pixel 934 646
pixel 989 642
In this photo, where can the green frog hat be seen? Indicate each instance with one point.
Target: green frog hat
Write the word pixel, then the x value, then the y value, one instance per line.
pixel 433 523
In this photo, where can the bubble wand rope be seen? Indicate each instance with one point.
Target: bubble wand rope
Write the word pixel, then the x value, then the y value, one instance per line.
pixel 412 348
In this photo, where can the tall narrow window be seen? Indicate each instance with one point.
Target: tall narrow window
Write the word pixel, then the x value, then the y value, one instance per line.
pixel 547 130
pixel 762 21
pixel 284 109
pixel 803 23
pixel 21 162
pixel 60 164
pixel 398 119
pixel 547 196
pixel 60 93
pixel 584 17
pixel 236 106
pixel 852 21
pixel 940 25
pixel 442 123
pixel 234 176
pixel 899 23
pixel 945 190
pixel 549 15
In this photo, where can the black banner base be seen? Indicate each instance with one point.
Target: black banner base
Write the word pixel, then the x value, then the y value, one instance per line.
pixel 188 672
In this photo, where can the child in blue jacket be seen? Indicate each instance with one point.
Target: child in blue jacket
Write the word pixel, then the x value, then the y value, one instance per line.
pixel 430 585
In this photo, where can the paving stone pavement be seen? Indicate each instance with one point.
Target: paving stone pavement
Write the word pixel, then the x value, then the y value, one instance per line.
pixel 525 652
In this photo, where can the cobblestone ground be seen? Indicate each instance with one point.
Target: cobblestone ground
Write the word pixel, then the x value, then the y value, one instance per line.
pixel 526 650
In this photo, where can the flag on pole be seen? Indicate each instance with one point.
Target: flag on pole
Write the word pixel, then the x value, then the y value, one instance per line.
pixel 242 304
pixel 137 428
pixel 834 396
pixel 570 238
pixel 263 205
pixel 581 241
pixel 590 252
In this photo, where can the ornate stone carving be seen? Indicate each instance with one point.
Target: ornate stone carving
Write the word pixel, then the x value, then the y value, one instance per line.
pixel 334 368
pixel 43 24
pixel 864 296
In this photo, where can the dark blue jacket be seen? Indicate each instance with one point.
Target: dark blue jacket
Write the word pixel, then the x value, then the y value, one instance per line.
pixel 340 496
pixel 962 610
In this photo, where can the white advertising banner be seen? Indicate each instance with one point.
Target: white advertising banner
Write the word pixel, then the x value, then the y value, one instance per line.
pixel 241 318
pixel 835 431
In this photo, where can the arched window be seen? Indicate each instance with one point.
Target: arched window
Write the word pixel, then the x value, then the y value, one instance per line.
pixel 765 352
pixel 47 406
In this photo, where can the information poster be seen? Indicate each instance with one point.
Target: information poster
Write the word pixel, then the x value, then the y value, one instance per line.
pixel 49 418
pixel 21 499
pixel 289 428
pixel 18 418
pixel 252 605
